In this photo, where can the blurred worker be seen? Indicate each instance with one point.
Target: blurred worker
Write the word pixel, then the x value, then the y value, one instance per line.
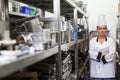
pixel 102 53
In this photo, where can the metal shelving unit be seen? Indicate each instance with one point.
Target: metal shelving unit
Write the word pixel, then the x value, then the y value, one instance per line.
pixel 30 59
pixel 66 6
pixel 25 61
pixel 74 42
pixel 58 7
pixel 74 5
pixel 18 14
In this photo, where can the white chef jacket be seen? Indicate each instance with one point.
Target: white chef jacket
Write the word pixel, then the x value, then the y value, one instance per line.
pixel 99 69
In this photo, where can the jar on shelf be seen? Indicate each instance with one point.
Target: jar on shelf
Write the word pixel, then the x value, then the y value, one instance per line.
pixel 49 23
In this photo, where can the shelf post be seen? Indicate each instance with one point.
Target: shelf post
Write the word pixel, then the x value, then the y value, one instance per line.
pixel 76 46
pixel 87 35
pixel 56 6
pixel 4 16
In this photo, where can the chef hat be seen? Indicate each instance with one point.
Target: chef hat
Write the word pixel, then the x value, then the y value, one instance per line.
pixel 101 20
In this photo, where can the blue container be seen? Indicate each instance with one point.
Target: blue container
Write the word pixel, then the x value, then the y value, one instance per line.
pixel 74 34
pixel 25 10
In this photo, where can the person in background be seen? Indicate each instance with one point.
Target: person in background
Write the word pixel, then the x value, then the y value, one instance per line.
pixel 102 53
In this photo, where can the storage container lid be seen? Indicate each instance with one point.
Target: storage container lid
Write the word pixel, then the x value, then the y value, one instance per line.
pixel 48 19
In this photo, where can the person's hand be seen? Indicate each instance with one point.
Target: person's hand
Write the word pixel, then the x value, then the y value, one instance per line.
pixel 105 53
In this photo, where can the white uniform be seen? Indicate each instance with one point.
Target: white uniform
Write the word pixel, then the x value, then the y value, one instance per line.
pixel 100 69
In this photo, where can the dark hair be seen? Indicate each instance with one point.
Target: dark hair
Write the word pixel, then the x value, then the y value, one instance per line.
pixel 105 26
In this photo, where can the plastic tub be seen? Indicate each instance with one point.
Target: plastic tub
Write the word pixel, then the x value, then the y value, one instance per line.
pixel 32 12
pixel 25 10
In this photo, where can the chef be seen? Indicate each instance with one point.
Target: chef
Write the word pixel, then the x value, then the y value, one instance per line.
pixel 102 53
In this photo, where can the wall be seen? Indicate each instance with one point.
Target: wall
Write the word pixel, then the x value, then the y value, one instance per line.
pixel 107 7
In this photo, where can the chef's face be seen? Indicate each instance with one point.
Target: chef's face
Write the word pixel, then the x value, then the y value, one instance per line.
pixel 101 30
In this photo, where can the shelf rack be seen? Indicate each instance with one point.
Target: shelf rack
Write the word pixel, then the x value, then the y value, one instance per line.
pixel 58 7
pixel 74 42
pixel 30 59
pixel 18 14
pixel 66 6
